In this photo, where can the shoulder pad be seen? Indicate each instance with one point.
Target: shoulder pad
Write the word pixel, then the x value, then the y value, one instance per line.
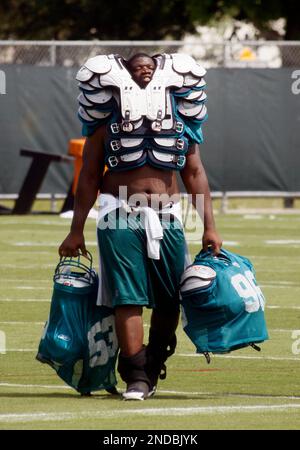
pixel 83 101
pixel 197 277
pixel 92 114
pixel 85 87
pixel 189 109
pixel 185 64
pixel 84 74
pixel 99 97
pixel 95 82
pixel 195 96
pixel 198 271
pixel 98 64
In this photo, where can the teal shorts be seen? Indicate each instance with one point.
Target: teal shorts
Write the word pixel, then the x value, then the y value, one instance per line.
pixel 134 278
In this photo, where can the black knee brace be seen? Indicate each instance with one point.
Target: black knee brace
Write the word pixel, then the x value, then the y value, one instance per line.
pixel 158 351
pixel 132 368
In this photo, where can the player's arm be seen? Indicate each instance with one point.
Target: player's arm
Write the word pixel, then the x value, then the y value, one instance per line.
pixel 195 181
pixel 89 182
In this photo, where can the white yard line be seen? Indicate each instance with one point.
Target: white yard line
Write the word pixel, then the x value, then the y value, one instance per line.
pixel 262 358
pixel 159 391
pixel 44 244
pixel 282 307
pixel 170 411
pixel 21 350
pixel 35 386
pixel 34 288
pixel 21 323
pixel 26 300
pixel 29 252
pixel 48 300
pixel 193 355
pixel 63 222
pixel 28 266
pixel 20 280
pixel 225 394
pixel 282 241
pixel 146 325
pixel 278 286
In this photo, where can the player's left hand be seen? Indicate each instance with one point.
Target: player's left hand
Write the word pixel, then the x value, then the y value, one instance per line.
pixel 211 239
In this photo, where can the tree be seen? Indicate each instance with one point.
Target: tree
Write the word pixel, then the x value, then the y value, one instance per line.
pixel 139 19
pixel 258 12
pixel 101 19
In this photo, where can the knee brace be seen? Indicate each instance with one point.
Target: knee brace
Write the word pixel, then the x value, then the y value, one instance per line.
pixel 158 351
pixel 132 368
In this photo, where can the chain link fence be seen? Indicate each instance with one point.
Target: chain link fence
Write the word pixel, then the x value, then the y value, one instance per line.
pixel 255 54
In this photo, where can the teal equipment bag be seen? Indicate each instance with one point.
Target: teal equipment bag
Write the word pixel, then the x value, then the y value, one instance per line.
pixel 222 304
pixel 79 340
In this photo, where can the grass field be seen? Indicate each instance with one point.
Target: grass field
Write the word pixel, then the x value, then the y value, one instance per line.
pixel 242 390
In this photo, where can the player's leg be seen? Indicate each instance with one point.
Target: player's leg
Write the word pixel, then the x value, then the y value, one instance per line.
pixel 165 279
pixel 122 250
pixel 132 358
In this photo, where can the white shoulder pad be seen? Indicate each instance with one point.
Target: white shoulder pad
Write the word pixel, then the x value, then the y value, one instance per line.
pixel 98 64
pixel 190 80
pixel 196 277
pixel 202 114
pixel 186 64
pixel 95 82
pixel 195 95
pixel 100 97
pixel 165 73
pixel 82 113
pixel 201 84
pixel 84 74
pixel 83 101
pixel 189 109
pixel 92 115
pixel 86 87
pixel 98 114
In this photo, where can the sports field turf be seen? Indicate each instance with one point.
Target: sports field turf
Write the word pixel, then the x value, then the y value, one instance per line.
pixel 242 390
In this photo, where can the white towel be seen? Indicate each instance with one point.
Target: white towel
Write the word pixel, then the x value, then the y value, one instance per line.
pixel 150 219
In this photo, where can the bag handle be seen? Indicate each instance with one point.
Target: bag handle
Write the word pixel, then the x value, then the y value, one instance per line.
pixel 208 253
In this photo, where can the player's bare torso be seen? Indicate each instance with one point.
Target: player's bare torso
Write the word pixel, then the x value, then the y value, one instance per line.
pixel 146 179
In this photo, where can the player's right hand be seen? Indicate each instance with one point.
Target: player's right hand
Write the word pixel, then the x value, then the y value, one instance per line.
pixel 73 245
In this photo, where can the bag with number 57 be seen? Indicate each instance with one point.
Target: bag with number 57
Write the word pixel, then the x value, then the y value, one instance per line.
pixel 222 305
pixel 79 340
